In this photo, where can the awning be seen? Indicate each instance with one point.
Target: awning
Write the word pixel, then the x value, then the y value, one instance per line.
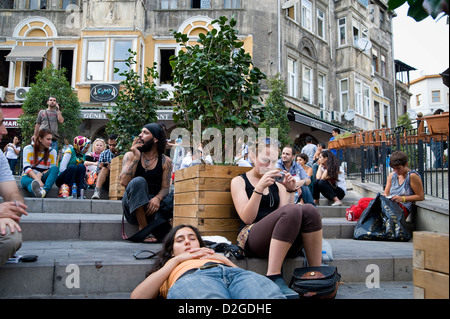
pixel 313 122
pixel 27 53
pixel 11 115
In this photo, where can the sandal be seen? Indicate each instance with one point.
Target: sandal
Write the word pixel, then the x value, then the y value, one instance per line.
pixel 150 239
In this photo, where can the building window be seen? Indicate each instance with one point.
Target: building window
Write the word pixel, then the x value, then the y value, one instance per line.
pixel 292 13
pixel 165 71
pixel 306 15
pixel 66 3
pixel 121 54
pixel 7 4
pixel 435 96
pixel 320 24
pixel 418 99
pixel 95 66
pixel 342 31
pixel 386 120
pixel 201 4
pixel 232 4
pixel 307 95
pixel 169 4
pixel 360 31
pixel 343 91
pixel 367 101
pixel 375 60
pixel 37 4
pixel 321 94
pixel 292 77
pixel 358 97
pixel 381 19
pixel 383 65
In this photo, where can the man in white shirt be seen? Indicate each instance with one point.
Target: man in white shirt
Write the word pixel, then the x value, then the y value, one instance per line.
pixel 11 209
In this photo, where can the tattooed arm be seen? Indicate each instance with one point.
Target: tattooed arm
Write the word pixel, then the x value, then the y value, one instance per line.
pixel 129 163
pixel 155 202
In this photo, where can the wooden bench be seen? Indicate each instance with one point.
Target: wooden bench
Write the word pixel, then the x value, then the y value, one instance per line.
pixel 202 198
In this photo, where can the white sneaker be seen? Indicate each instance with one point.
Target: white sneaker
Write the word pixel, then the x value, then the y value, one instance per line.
pixel 339 203
pixel 96 194
pixel 36 188
pixel 43 193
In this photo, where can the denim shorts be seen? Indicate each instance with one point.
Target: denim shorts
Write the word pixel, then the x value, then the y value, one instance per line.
pixel 223 282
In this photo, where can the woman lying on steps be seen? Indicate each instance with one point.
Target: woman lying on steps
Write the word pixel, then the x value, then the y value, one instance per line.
pixel 186 269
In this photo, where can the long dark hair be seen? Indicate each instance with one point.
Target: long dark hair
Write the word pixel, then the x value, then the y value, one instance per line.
pixel 165 254
pixel 332 164
pixel 37 146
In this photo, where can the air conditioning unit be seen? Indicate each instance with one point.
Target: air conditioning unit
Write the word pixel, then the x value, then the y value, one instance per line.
pixel 20 93
pixel 2 93
pixel 336 116
pixel 325 115
pixel 168 88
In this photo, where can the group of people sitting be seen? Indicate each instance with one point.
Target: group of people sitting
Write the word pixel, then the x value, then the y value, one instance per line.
pixel 41 169
pixel 272 226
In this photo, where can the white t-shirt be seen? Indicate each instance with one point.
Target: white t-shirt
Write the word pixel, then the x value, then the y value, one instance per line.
pixel 5 172
pixel 10 154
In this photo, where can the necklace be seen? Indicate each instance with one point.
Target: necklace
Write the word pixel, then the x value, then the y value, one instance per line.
pixel 149 161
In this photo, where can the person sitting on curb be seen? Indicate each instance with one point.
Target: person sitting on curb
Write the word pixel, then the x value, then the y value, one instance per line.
pixel 12 209
pixel 104 166
pixel 330 179
pixel 39 165
pixel 146 175
pixel 272 226
pixel 186 269
pixel 72 169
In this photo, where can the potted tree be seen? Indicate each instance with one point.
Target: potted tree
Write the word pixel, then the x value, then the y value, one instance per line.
pixel 217 84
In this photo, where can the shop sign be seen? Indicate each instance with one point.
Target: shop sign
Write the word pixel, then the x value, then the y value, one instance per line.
pixel 104 92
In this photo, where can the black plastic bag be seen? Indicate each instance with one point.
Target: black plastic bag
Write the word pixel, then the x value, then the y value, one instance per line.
pixel 383 219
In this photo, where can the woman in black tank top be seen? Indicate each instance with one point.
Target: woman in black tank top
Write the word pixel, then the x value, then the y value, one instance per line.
pixel 272 226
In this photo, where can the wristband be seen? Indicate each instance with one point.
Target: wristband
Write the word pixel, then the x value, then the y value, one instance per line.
pixel 255 191
pixel 404 200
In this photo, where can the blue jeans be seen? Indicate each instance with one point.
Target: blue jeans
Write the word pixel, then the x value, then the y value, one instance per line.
pixel 48 179
pixel 224 282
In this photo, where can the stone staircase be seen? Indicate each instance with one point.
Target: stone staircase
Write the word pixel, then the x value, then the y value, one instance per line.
pixel 81 253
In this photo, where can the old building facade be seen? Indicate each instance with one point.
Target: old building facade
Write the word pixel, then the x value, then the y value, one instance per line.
pixel 335 55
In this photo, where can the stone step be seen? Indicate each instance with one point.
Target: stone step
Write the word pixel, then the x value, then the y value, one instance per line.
pixel 109 268
pixel 74 226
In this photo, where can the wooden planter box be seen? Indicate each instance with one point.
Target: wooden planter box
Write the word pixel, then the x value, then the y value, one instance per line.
pixel 437 124
pixel 116 190
pixel 430 265
pixel 202 199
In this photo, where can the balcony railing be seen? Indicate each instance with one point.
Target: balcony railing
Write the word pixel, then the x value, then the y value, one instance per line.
pixel 366 154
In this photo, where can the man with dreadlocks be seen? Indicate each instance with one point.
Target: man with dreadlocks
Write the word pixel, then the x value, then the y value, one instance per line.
pixel 146 174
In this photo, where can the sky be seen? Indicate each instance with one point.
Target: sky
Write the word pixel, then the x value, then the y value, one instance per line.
pixel 423 45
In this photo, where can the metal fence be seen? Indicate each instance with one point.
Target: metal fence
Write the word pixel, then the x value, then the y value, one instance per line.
pixel 428 155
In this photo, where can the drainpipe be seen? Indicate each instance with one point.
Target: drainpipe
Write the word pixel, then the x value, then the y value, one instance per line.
pixel 279 35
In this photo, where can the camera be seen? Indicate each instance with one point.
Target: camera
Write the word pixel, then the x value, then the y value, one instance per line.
pixel 280 179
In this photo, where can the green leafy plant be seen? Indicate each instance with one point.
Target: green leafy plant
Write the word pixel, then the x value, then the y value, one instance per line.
pixel 51 82
pixel 136 104
pixel 216 81
pixel 421 9
pixel 275 111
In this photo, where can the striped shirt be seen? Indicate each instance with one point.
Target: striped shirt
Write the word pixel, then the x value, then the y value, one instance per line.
pixel 29 162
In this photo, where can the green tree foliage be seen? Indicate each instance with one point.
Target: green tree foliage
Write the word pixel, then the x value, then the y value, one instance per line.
pixel 275 111
pixel 216 81
pixel 136 104
pixel 51 82
pixel 421 9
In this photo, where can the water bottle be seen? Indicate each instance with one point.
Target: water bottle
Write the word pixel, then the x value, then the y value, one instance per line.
pixel 325 258
pixel 74 191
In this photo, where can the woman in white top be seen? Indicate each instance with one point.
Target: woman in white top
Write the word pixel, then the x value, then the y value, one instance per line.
pixel 12 151
pixel 330 179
